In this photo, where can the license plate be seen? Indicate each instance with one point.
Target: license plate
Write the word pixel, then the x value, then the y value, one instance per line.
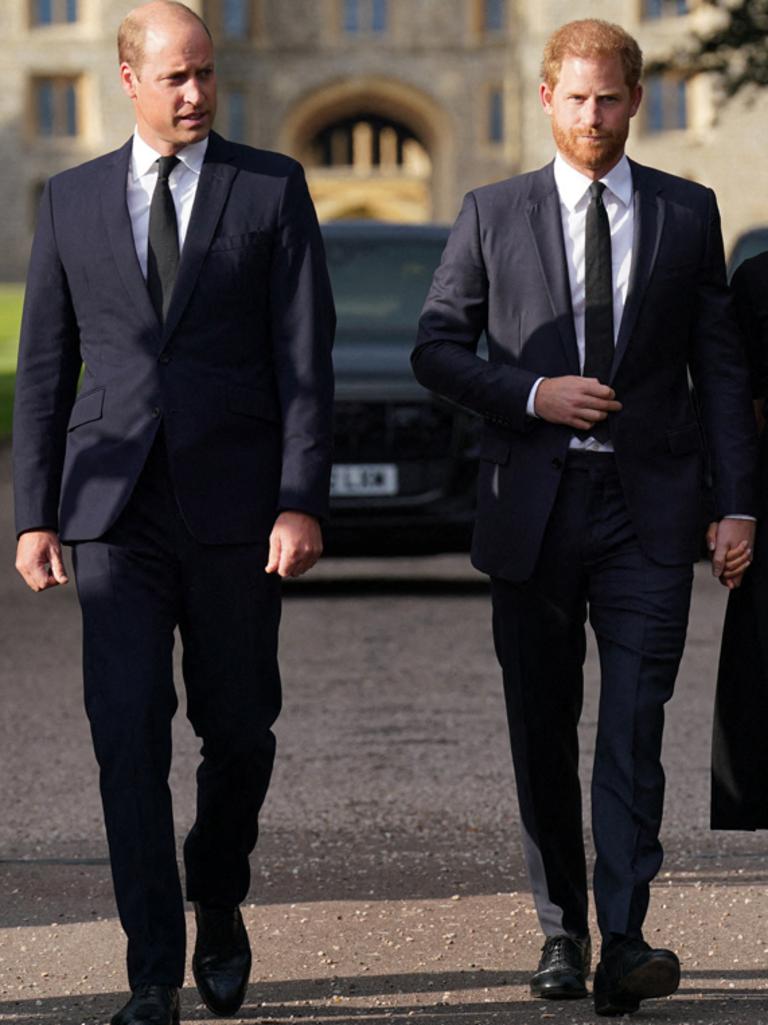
pixel 355 480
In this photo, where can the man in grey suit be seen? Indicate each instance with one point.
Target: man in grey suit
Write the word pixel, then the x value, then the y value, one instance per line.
pixel 600 284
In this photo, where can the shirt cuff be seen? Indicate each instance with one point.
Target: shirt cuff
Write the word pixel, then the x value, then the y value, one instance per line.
pixel 530 406
pixel 740 516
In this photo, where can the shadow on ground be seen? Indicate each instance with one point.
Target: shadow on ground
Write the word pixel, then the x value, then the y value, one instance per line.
pixel 317 999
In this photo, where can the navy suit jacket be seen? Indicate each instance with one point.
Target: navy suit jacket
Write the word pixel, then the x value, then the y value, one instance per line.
pixel 504 273
pixel 239 374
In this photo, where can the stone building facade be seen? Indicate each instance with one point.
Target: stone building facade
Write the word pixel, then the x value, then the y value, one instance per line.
pixel 395 107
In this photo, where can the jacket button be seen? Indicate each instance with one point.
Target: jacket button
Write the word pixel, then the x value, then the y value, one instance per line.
pixel 165 359
pixel 557 462
pixel 156 411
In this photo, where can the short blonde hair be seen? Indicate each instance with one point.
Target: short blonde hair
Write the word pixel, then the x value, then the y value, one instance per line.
pixel 133 29
pixel 589 38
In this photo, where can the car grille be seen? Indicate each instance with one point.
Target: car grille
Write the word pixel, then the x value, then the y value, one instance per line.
pixel 391 431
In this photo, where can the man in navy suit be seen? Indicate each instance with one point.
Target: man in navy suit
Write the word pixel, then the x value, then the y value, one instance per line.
pixel 600 285
pixel 186 276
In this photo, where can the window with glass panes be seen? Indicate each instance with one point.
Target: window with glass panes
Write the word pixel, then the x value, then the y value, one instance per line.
pixel 53 12
pixel 654 9
pixel 666 103
pixel 55 106
pixel 365 16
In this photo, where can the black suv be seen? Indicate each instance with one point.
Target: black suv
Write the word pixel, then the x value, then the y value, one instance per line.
pixel 405 461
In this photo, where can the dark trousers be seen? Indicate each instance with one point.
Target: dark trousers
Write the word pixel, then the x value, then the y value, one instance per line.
pixel 145 577
pixel 591 563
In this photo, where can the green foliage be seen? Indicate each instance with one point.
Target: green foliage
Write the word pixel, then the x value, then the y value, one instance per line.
pixel 10 317
pixel 735 48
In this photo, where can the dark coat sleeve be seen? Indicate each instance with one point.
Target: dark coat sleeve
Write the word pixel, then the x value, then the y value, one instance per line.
pixel 454 317
pixel 739 752
pixel 303 324
pixel 720 377
pixel 750 294
pixel 46 379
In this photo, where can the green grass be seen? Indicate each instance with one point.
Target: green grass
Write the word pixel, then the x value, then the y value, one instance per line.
pixel 10 318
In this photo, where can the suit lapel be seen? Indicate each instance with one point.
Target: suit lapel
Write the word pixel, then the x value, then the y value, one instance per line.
pixel 649 210
pixel 216 177
pixel 114 209
pixel 545 223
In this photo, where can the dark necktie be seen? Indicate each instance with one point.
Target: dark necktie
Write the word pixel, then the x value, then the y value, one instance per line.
pixel 598 312
pixel 163 247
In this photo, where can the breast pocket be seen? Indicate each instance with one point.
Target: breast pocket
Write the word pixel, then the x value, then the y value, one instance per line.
pixel 236 269
pixel 252 240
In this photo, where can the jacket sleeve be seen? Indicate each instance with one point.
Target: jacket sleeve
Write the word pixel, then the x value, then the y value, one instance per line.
pixel 303 322
pixel 46 379
pixel 750 294
pixel 454 317
pixel 720 377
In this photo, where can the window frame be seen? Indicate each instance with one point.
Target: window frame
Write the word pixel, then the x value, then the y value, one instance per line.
pixel 664 95
pixel 61 13
pixel 62 94
pixel 366 18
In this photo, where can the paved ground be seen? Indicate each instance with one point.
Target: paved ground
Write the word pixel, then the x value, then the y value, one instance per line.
pixel 388 885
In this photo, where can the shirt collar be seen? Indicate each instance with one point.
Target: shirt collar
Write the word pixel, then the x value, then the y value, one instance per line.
pixel 572 185
pixel 144 157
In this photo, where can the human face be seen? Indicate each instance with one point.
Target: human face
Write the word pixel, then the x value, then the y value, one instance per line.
pixel 174 90
pixel 590 107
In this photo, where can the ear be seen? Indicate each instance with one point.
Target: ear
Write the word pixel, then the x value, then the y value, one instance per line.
pixel 545 95
pixel 128 79
pixel 637 95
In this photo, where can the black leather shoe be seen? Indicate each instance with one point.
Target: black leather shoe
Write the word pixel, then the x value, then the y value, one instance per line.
pixel 150 1005
pixel 630 971
pixel 563 969
pixel 222 960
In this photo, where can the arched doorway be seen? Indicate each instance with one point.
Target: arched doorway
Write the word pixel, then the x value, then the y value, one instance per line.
pixel 372 148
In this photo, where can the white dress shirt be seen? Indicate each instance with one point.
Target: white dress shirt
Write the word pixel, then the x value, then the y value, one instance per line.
pixel 142 178
pixel 573 190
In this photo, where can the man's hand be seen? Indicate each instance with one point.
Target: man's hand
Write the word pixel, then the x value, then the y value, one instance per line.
pixel 295 544
pixel 579 402
pixel 38 559
pixel 730 544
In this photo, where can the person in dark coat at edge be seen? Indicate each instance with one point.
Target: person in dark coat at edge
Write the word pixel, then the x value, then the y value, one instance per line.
pixel 739 749
pixel 189 473
pixel 599 284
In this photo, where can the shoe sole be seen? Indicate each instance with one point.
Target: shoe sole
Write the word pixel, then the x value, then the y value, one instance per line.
pixel 657 978
pixel 559 993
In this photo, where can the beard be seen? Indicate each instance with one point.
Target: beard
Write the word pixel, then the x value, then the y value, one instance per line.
pixel 600 151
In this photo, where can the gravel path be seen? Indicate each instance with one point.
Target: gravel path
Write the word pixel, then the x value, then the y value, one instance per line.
pixel 388 884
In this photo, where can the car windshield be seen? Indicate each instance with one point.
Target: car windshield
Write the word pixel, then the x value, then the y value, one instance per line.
pixel 380 285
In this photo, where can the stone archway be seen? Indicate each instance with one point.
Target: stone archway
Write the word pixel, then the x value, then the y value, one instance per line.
pixel 373 147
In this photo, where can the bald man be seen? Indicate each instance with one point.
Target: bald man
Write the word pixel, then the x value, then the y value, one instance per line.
pixel 190 471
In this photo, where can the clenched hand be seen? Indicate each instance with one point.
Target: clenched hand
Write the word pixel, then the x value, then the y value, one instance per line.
pixel 295 544
pixel 39 560
pixel 578 402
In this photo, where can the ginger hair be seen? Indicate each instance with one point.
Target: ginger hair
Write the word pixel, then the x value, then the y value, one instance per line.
pixel 589 38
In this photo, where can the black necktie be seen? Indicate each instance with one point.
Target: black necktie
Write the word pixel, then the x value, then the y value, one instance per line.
pixel 598 312
pixel 163 247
